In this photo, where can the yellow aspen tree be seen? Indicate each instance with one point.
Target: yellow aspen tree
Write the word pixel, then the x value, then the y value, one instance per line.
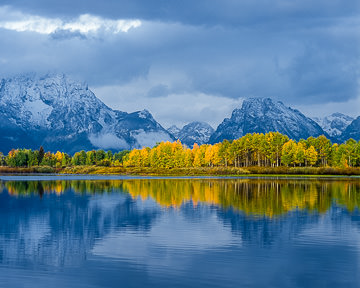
pixel 300 153
pixel 311 156
pixel 208 155
pixel 215 157
pixel 288 153
pixel 144 157
pixel 189 158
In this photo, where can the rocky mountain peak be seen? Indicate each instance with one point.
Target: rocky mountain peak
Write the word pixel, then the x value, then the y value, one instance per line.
pixel 334 124
pixel 194 132
pixel 262 115
pixel 52 109
pixel 351 131
pixel 174 130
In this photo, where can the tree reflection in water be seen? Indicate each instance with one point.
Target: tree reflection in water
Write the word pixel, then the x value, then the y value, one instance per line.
pixel 254 197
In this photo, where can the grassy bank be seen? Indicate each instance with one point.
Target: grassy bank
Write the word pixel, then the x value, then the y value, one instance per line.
pixel 212 171
pixel 147 171
pixel 201 171
pixel 304 171
pixel 30 170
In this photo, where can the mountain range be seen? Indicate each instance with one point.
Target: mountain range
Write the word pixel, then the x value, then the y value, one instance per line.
pixel 351 131
pixel 334 124
pixel 261 115
pixel 60 113
pixel 194 132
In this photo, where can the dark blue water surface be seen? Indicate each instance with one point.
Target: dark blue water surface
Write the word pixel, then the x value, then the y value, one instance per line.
pixel 108 232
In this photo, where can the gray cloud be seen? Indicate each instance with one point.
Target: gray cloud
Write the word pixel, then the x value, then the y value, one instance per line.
pixel 301 52
pixel 326 72
pixel 158 91
pixel 66 34
pixel 201 12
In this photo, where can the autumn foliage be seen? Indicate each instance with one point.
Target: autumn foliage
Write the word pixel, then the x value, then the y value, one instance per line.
pixel 272 149
pixel 263 150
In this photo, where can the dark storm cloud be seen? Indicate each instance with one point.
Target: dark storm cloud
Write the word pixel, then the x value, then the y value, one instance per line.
pixel 296 51
pixel 325 73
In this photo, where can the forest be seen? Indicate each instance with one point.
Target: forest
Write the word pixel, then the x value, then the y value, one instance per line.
pixel 272 149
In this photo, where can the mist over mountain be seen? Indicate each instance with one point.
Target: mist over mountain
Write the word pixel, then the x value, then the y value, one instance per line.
pixel 62 114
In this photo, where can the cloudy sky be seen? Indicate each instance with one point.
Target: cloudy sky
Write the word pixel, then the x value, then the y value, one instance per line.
pixel 187 60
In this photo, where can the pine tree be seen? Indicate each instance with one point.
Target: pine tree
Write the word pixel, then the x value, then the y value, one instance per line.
pixel 41 154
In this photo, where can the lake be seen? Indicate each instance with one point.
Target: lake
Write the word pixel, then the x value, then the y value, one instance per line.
pixel 94 231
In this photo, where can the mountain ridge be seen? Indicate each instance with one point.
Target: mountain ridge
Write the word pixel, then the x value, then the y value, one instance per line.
pixel 334 124
pixel 57 112
pixel 262 115
pixel 352 131
pixel 60 113
pixel 194 132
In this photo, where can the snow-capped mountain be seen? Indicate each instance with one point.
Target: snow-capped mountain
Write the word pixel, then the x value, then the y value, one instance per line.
pixel 351 131
pixel 194 132
pixel 174 130
pixel 62 114
pixel 334 124
pixel 262 115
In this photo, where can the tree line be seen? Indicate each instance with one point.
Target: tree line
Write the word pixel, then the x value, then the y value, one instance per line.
pixel 32 158
pixel 272 149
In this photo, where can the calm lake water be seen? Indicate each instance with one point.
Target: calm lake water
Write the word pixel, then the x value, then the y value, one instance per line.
pixel 109 232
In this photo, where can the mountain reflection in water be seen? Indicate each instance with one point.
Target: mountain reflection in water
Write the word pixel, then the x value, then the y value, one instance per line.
pixel 254 197
pixel 180 233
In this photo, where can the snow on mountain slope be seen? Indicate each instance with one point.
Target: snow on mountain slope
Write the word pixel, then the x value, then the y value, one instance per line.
pixel 195 132
pixel 262 115
pixel 62 114
pixel 174 130
pixel 334 124
pixel 351 131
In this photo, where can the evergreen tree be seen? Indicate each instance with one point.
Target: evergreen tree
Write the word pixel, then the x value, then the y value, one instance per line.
pixel 2 159
pixel 41 154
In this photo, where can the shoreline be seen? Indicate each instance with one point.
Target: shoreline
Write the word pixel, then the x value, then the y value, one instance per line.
pixel 304 172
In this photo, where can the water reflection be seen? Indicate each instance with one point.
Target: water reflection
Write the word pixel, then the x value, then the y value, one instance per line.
pixel 177 232
pixel 61 228
pixel 254 197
